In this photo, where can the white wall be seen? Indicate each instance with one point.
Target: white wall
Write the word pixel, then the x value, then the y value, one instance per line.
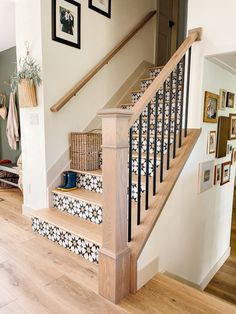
pixel 7 24
pixel 45 134
pixel 64 66
pixel 28 28
pixel 193 231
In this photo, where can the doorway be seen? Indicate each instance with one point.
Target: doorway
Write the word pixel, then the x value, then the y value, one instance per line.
pixel 171 28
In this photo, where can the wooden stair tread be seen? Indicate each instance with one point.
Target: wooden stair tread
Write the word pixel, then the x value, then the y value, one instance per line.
pixel 158 67
pixel 89 172
pixel 151 156
pixel 79 227
pixel 83 195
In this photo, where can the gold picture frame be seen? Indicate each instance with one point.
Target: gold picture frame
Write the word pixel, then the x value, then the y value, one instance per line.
pixel 210 107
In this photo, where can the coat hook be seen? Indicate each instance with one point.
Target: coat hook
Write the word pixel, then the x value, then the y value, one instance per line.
pixel 27 46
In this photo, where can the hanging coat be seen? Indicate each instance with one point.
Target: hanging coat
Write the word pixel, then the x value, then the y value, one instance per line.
pixel 12 129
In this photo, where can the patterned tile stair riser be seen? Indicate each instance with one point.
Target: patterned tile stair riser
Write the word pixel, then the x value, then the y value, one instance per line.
pixel 94 183
pixel 143 166
pixel 147 82
pixel 135 128
pixel 135 96
pixel 79 246
pixel 151 145
pixel 79 208
pixel 154 72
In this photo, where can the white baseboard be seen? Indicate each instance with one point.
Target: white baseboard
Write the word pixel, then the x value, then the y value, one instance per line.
pixel 215 269
pixel 207 278
pixel 27 211
pixel 147 272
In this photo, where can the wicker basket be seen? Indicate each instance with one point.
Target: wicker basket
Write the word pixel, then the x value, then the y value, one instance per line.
pixel 27 94
pixel 85 151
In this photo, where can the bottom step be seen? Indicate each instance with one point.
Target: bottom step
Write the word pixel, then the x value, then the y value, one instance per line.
pixel 80 237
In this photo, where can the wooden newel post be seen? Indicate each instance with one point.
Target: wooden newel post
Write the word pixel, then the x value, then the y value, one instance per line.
pixel 114 256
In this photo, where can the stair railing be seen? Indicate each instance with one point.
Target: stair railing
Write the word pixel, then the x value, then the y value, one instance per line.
pixel 117 267
pixel 76 88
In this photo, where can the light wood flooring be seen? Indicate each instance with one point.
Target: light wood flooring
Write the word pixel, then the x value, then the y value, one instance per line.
pixel 37 277
pixel 223 284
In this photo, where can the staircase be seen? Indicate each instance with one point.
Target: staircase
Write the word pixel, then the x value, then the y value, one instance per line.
pixel 103 221
pixel 75 222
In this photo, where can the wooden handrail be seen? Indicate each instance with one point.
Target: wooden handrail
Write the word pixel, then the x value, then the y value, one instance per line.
pixel 194 35
pixel 74 90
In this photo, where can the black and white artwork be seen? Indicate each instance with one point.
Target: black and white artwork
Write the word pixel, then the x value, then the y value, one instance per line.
pixel 101 6
pixel 66 22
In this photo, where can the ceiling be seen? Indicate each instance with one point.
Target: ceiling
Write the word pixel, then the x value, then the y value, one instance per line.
pixel 226 61
pixel 7 24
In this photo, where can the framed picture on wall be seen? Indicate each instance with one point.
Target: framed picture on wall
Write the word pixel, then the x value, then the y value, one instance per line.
pixel 233 160
pixel 211 147
pixel 230 100
pixel 66 22
pixel 205 176
pixel 225 172
pixel 232 126
pixel 223 99
pixel 217 175
pixel 101 6
pixel 210 107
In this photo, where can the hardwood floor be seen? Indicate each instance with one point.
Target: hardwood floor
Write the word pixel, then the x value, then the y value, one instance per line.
pixel 223 285
pixel 37 276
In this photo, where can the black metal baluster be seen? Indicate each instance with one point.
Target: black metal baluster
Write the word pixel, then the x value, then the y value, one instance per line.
pixel 147 157
pixel 176 109
pixel 162 133
pixel 130 186
pixel 169 122
pixel 187 92
pixel 182 103
pixel 155 147
pixel 139 169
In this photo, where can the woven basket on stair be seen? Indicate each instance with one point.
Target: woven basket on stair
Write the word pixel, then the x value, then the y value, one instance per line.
pixel 85 151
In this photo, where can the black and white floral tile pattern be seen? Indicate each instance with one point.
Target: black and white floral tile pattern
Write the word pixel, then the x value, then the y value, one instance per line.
pixel 151 145
pixel 143 166
pixel 89 182
pixel 134 189
pixel 79 208
pixel 82 247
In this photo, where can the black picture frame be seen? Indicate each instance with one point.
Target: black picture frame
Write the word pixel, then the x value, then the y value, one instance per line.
pixel 76 40
pixel 93 7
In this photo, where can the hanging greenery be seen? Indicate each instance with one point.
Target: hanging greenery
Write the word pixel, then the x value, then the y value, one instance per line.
pixel 29 70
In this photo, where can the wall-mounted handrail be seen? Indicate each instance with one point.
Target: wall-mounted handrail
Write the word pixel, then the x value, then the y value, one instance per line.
pixel 74 90
pixel 194 35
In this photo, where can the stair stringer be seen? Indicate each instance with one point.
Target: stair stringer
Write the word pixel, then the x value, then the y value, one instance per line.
pixel 142 232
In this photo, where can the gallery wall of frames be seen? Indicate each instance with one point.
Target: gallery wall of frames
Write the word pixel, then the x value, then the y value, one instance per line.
pixel 220 142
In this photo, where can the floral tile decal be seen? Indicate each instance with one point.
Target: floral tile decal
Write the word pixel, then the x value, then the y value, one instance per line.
pixel 79 208
pixel 89 182
pixel 69 241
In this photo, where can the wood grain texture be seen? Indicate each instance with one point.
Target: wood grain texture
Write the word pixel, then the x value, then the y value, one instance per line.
pixel 157 203
pixel 223 285
pixel 38 276
pixel 160 79
pixel 74 90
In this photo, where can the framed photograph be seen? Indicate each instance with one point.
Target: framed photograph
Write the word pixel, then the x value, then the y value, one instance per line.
pixel 211 147
pixel 223 99
pixel 233 159
pixel 205 177
pixel 229 149
pixel 225 172
pixel 232 126
pixel 230 100
pixel 217 175
pixel 66 22
pixel 210 107
pixel 101 6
